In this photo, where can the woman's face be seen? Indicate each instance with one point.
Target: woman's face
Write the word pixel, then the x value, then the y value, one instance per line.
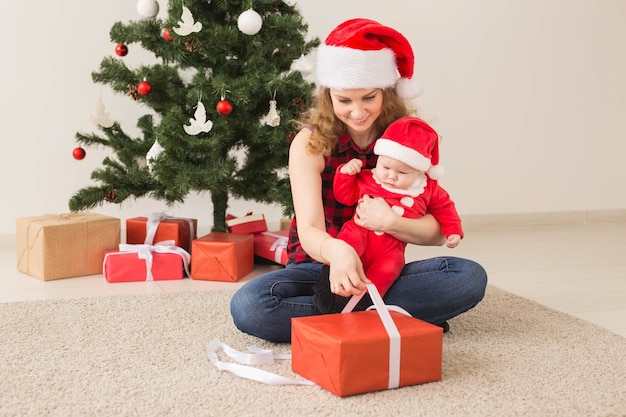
pixel 357 108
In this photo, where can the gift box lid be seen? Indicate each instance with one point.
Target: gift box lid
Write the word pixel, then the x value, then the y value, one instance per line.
pixel 250 223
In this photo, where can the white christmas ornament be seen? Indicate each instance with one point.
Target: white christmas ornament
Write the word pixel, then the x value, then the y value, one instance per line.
pixel 303 65
pixel 198 123
pixel 187 25
pixel 101 118
pixel 153 154
pixel 147 8
pixel 249 22
pixel 272 118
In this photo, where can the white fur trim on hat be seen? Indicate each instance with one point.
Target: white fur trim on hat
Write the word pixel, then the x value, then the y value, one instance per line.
pixel 341 68
pixel 409 156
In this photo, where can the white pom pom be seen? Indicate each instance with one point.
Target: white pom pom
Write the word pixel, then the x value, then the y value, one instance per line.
pixel 408 88
pixel 249 22
pixel 147 8
pixel 436 172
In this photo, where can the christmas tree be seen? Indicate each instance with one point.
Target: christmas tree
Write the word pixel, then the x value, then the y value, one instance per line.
pixel 226 85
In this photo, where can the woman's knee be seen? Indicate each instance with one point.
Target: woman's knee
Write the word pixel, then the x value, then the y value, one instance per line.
pixel 243 309
pixel 476 278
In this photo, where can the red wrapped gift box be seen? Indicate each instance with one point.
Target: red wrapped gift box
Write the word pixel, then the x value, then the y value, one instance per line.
pixel 221 256
pixel 272 246
pixel 250 223
pixel 127 267
pixel 351 353
pixel 161 227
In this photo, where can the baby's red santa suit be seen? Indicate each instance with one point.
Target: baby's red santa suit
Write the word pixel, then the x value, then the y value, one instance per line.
pixel 414 142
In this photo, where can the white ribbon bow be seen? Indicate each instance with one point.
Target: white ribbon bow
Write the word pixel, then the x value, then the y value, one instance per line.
pixel 279 245
pixel 153 224
pixel 145 252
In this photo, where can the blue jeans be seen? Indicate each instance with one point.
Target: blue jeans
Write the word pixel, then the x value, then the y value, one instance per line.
pixel 433 290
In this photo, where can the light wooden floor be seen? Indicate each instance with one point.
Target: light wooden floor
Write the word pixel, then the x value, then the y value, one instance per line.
pixel 578 270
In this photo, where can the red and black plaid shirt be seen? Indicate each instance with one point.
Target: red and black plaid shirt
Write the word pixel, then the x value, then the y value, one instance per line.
pixel 335 213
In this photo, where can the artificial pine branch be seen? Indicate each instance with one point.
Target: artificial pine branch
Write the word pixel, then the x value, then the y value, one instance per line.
pixel 239 156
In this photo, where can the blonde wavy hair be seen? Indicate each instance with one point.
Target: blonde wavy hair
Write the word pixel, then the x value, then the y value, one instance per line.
pixel 326 128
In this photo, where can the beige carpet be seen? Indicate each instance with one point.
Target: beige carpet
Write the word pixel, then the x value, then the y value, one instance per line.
pixel 145 356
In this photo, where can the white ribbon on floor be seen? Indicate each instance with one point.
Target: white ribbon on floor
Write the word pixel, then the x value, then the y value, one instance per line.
pixel 263 357
pixel 257 357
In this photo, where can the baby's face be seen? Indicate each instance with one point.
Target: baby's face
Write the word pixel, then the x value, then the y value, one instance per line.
pixel 394 173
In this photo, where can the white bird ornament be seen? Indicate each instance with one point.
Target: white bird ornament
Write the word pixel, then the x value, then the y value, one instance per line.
pixel 187 25
pixel 198 123
pixel 101 118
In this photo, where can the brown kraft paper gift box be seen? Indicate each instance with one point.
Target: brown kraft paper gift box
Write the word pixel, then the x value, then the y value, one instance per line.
pixel 69 245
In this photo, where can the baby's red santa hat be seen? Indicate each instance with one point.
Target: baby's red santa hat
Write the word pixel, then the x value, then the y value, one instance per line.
pixel 414 142
pixel 362 53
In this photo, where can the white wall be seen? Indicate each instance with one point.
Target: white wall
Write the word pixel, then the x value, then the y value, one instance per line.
pixel 529 96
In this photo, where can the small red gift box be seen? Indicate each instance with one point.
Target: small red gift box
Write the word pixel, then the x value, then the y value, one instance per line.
pixel 221 256
pixel 357 352
pixel 160 227
pixel 127 267
pixel 272 246
pixel 163 261
pixel 250 223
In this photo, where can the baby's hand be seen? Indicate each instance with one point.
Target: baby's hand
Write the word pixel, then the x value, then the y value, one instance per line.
pixel 352 167
pixel 453 240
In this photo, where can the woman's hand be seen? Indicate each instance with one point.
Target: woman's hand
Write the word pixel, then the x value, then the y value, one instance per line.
pixel 346 270
pixel 373 213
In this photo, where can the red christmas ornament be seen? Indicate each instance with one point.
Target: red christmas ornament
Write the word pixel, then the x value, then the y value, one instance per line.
pixel 166 35
pixel 224 107
pixel 144 88
pixel 78 153
pixel 121 49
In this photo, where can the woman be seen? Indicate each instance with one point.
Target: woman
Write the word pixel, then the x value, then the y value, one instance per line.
pixel 365 71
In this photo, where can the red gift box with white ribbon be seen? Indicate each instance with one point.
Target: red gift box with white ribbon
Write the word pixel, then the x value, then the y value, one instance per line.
pixel 159 227
pixel 163 261
pixel 250 223
pixel 272 246
pixel 364 351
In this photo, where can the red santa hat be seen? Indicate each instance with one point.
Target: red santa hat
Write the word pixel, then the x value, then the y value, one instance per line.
pixel 414 142
pixel 362 53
